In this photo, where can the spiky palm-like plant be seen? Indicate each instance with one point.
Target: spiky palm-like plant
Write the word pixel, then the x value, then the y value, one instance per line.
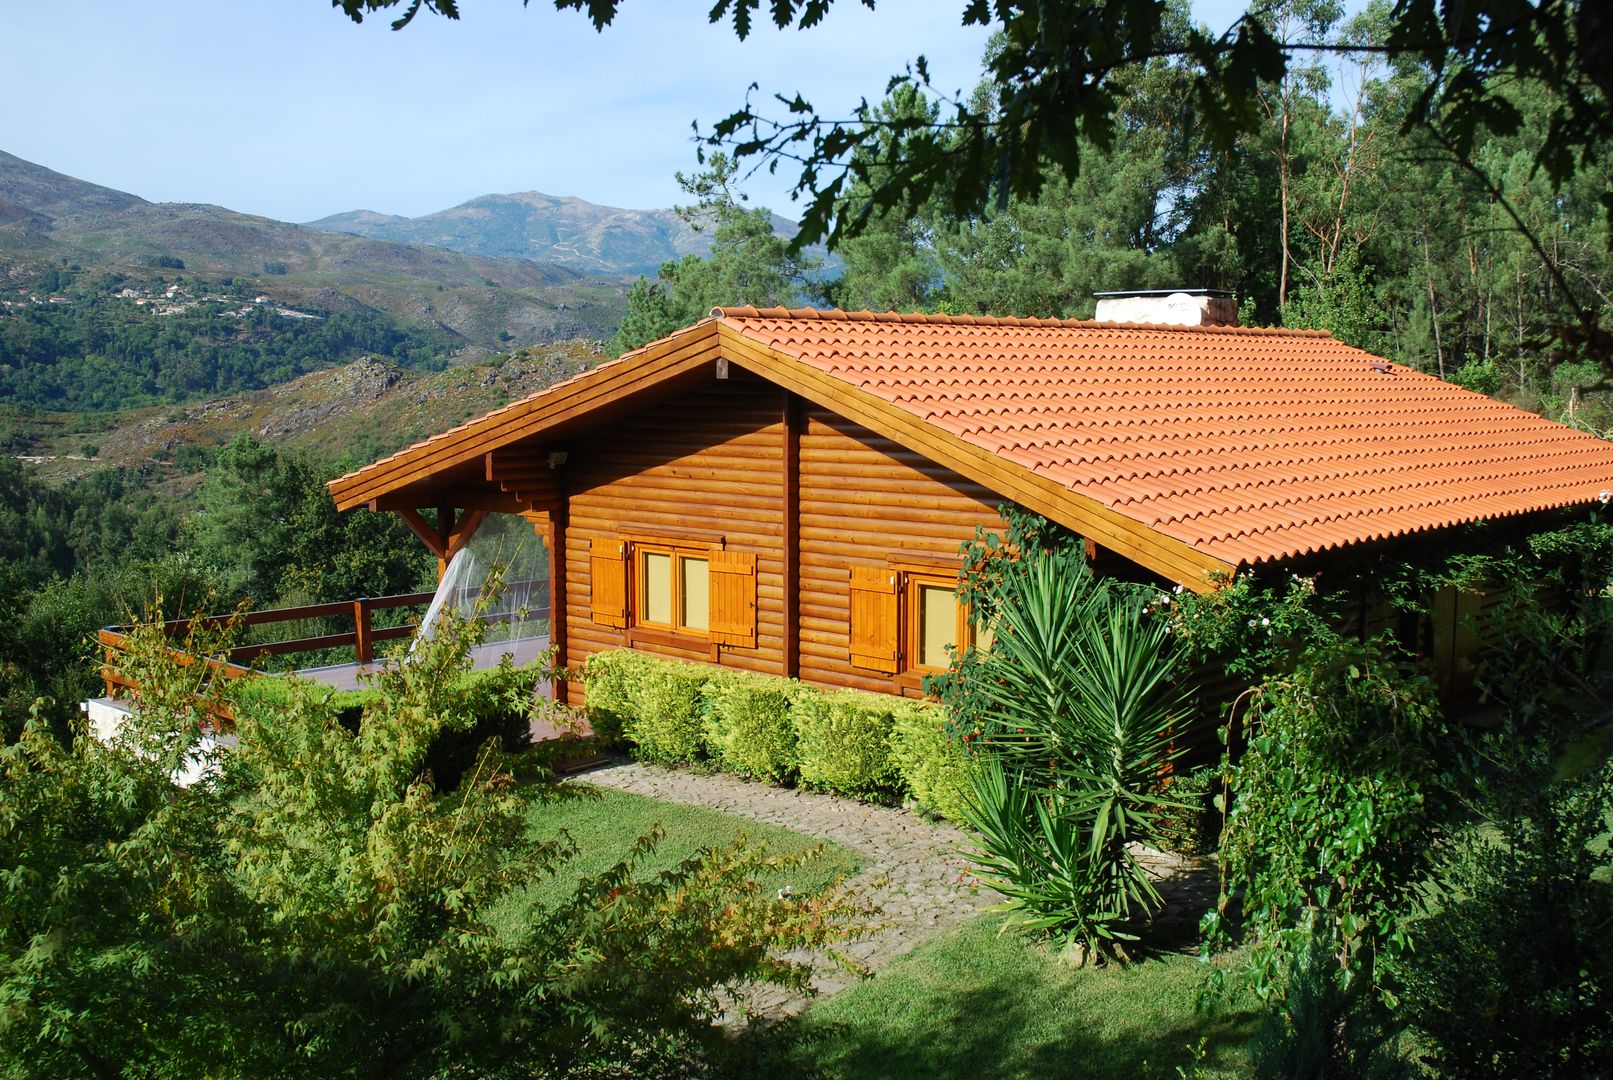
pixel 1082 698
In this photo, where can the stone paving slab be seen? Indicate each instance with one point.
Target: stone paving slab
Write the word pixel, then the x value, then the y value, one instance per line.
pixel 911 868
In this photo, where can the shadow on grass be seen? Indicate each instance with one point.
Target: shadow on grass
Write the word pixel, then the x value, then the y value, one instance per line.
pixel 976 1006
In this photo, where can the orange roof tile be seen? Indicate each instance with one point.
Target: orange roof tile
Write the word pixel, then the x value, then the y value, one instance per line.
pixel 1246 444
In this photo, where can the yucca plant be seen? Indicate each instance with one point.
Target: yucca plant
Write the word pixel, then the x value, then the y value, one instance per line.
pixel 1082 697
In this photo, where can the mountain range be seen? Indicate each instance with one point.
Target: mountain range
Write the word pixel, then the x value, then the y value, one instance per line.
pixel 550 229
pixel 497 271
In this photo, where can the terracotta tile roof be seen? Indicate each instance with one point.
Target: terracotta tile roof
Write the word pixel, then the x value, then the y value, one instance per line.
pixel 1247 444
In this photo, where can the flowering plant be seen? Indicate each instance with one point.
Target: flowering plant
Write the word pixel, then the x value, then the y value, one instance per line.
pixel 1251 625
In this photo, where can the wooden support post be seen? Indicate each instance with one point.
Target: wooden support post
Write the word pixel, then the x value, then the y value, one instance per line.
pixel 362 646
pixel 790 493
pixel 557 589
pixel 110 658
pixel 445 526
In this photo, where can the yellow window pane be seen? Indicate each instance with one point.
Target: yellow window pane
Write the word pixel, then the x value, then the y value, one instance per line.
pixel 696 614
pixel 938 625
pixel 983 637
pixel 657 588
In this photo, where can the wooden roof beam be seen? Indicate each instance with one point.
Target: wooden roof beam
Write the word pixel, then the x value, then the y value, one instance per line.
pixel 488 499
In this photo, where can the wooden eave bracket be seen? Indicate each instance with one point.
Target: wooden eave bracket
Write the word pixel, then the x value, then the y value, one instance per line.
pixel 444 543
pixel 425 531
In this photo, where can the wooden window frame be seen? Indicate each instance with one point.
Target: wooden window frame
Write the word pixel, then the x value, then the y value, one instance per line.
pixel 912 626
pixel 678 550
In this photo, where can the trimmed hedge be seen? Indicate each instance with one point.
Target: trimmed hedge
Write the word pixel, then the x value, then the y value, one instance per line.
pixel 747 724
pixel 654 703
pixel 936 768
pixel 610 678
pixel 844 741
pixel 277 691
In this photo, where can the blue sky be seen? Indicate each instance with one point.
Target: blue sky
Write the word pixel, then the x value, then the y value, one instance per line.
pixel 286 108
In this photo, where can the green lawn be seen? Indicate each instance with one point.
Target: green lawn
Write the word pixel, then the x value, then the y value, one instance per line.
pixel 977 1006
pixel 604 824
pixel 970 1004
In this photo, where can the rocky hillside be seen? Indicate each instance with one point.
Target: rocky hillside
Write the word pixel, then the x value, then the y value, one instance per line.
pixel 354 414
pixel 471 301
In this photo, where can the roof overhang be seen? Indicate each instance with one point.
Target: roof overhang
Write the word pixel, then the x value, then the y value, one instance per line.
pixel 466 460
pixel 461 461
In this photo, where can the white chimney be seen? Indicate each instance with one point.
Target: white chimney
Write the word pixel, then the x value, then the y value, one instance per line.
pixel 1169 307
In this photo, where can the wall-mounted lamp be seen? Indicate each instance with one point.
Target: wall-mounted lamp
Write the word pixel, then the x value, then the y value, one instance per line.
pixel 556 458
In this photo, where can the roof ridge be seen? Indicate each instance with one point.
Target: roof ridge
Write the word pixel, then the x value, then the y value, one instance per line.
pixel 939 319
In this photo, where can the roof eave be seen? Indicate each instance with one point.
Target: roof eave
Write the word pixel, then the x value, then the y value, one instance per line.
pixel 629 375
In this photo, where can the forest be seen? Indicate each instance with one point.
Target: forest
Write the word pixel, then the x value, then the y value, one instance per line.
pixel 117 545
pixel 1334 211
pixel 93 350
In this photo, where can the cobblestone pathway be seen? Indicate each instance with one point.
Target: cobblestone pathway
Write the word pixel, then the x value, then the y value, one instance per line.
pixel 911 868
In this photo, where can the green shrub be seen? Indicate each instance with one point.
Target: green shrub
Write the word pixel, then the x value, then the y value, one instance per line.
pixel 144 915
pixel 1192 828
pixel 845 738
pixel 747 724
pixel 935 768
pixel 498 703
pixel 653 703
pixel 1335 800
pixel 609 679
pixel 1512 975
pixel 1082 698
pixel 492 703
pixel 1321 1028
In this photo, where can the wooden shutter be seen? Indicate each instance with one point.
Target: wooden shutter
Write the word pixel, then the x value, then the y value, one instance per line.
pixel 733 598
pixel 608 581
pixel 874 609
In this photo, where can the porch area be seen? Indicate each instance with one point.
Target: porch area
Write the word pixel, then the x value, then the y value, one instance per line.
pixel 336 644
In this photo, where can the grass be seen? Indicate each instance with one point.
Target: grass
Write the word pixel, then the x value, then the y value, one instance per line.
pixel 604 823
pixel 975 1005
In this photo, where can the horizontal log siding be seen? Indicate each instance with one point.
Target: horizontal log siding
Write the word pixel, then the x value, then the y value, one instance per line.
pixel 709 462
pixel 863 497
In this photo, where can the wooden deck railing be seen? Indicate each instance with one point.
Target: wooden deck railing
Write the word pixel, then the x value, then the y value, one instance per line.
pixel 234 662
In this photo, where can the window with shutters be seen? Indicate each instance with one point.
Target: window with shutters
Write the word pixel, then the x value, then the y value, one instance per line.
pixel 686 588
pixel 906 621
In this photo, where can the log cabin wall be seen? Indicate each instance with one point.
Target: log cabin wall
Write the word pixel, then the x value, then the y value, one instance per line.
pixel 864 500
pixel 713 463
pixel 707 464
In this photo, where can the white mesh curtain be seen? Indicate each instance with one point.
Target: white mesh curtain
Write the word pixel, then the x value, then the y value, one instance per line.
pixel 518 611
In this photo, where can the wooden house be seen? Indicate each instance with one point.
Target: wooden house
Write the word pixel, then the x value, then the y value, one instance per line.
pixel 786 491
